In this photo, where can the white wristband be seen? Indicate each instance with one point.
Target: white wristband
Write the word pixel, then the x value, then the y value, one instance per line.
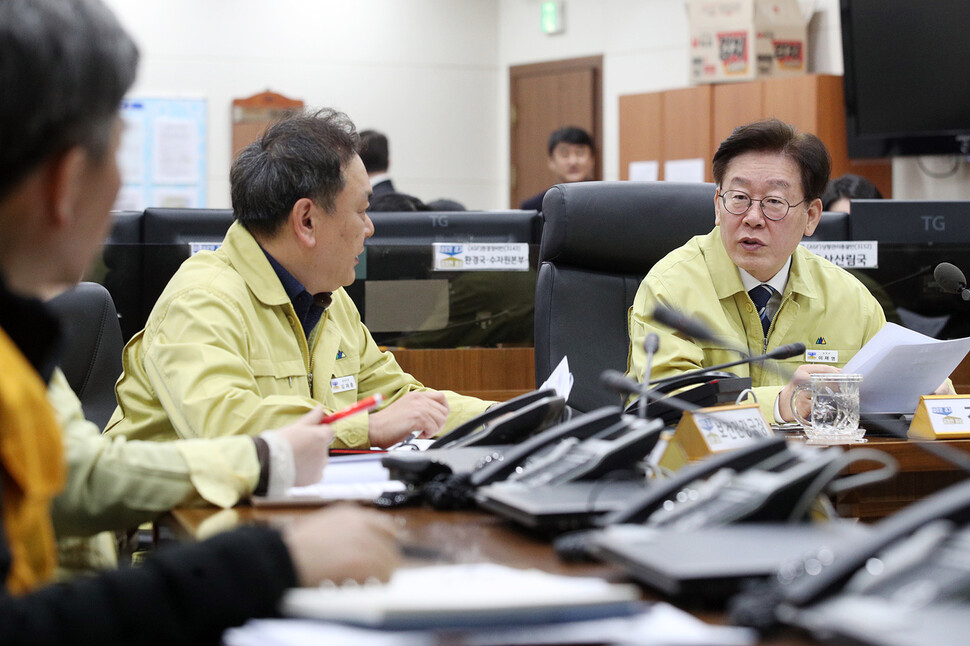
pixel 282 464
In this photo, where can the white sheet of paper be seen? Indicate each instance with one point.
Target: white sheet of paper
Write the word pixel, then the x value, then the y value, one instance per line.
pixel 896 351
pixel 346 477
pixel 560 379
pixel 684 170
pixel 644 171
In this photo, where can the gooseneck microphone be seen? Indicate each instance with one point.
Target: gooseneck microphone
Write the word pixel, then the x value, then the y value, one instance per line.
pixel 682 323
pixel 951 280
pixel 650 345
pixel 781 352
pixel 618 382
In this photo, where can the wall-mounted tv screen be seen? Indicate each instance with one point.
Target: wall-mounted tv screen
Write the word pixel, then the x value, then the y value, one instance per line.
pixel 904 68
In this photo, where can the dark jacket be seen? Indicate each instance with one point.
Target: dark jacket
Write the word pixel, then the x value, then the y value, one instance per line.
pixel 183 595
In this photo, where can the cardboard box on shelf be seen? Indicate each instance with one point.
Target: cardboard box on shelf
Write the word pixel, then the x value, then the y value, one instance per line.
pixel 743 40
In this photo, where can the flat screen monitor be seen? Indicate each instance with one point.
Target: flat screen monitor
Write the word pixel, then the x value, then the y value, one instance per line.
pixel 169 237
pixel 427 227
pixel 832 226
pixel 904 64
pixel 405 302
pixel 119 268
pixel 914 237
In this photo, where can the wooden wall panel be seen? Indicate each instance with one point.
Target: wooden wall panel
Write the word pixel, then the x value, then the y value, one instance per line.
pixel 489 373
pixel 641 130
pixel 687 125
pixel 735 104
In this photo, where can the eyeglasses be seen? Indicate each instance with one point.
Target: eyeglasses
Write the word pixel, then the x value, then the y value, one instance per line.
pixel 773 207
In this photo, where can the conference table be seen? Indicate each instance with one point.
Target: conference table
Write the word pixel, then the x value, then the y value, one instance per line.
pixel 472 536
pixel 440 537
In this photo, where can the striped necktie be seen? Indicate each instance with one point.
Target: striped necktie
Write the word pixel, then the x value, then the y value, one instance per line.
pixel 760 296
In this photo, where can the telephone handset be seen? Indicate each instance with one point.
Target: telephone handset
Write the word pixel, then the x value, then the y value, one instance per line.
pixel 506 422
pixel 661 491
pixel 772 491
pixel 951 504
pixel 581 427
pixel 614 448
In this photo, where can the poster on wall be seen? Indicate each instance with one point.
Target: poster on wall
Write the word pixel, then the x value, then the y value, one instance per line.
pixel 163 154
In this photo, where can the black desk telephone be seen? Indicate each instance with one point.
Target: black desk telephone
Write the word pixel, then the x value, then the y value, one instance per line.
pixel 913 564
pixel 586 446
pixel 508 422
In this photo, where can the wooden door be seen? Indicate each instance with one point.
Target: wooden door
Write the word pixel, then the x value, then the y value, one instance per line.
pixel 543 97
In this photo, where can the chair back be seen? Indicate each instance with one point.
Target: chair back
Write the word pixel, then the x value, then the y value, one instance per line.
pixel 91 360
pixel 599 239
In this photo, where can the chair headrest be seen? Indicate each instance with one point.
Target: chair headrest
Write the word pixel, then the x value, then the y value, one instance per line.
pixel 622 227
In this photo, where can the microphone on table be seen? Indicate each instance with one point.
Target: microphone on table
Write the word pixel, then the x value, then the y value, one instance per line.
pixel 695 328
pixel 781 352
pixel 650 345
pixel 951 280
pixel 620 383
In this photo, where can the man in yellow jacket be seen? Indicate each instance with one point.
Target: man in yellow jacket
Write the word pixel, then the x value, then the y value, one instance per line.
pixel 770 180
pixel 257 333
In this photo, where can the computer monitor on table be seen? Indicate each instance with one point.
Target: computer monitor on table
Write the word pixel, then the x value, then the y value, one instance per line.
pixel 405 301
pixel 169 237
pixel 913 238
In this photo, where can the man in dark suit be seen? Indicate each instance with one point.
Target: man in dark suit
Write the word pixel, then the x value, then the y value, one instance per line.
pixel 374 154
pixel 572 156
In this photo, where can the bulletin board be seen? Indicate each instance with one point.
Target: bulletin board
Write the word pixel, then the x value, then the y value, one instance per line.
pixel 252 115
pixel 163 154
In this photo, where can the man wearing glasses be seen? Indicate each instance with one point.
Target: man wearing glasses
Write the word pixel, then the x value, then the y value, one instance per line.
pixel 750 280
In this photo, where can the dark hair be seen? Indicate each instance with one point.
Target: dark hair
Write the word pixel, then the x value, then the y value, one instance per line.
pixel 374 151
pixel 65 65
pixel 392 202
pixel 570 135
pixel 302 156
pixel 853 187
pixel 774 136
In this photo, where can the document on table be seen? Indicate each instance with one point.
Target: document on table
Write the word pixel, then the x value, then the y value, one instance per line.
pixel 899 365
pixel 657 623
pixel 463 595
pixel 346 477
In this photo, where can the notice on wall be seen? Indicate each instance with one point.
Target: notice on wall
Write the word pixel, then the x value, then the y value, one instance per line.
pixel 162 154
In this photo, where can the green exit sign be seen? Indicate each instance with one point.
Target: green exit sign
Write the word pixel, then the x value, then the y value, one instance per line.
pixel 552 17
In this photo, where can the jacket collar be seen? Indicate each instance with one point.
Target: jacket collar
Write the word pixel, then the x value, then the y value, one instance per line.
pixel 248 258
pixel 33 328
pixel 727 280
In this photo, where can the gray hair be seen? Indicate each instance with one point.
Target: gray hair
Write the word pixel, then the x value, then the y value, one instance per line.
pixel 302 156
pixel 65 65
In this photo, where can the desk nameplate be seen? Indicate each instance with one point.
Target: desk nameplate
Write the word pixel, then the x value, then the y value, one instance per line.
pixel 941 416
pixel 713 430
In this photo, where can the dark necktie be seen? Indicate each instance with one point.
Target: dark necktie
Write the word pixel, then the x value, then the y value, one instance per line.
pixel 760 296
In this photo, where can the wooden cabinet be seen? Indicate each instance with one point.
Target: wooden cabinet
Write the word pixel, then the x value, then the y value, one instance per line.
pixel 691 122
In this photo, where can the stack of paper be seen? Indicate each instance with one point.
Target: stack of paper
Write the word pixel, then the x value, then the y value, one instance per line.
pixel 347 477
pixel 898 366
pixel 465 595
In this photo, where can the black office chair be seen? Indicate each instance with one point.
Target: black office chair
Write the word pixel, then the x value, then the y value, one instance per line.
pixel 599 240
pixel 91 360
pixel 833 226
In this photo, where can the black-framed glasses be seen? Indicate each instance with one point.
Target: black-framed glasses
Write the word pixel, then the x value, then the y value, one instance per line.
pixel 773 207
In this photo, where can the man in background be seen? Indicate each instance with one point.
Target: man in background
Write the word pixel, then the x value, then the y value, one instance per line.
pixel 572 158
pixel 375 153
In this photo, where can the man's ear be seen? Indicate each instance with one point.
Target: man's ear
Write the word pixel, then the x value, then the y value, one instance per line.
pixel 303 221
pixel 814 216
pixel 63 185
pixel 717 209
pixel 552 167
